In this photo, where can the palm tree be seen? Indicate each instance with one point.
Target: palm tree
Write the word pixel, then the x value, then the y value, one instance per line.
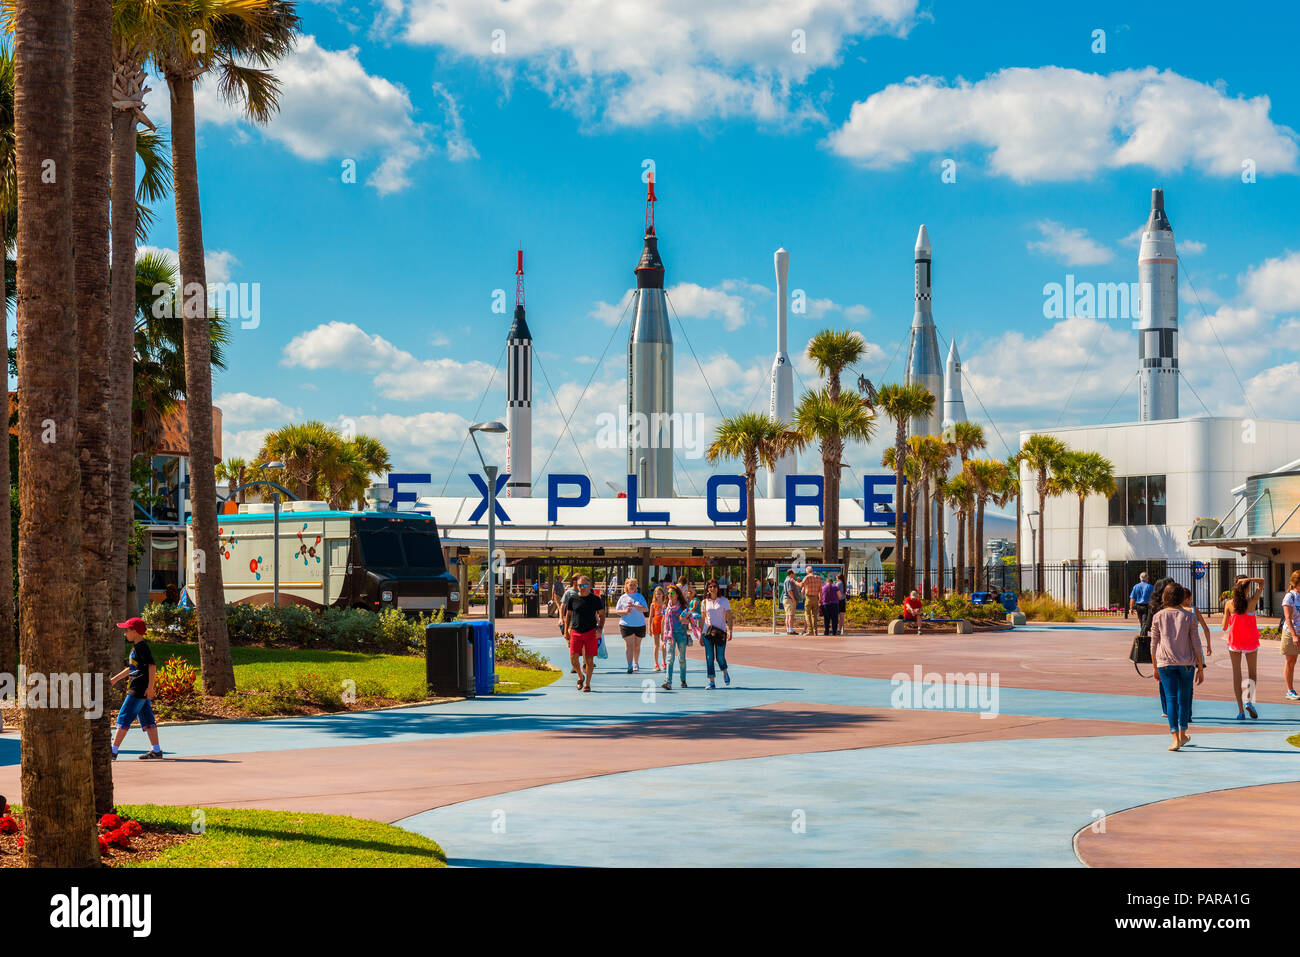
pixel 232 472
pixel 752 438
pixel 374 455
pixel 1084 474
pixel 959 493
pixel 943 457
pixel 963 439
pixel 931 456
pixel 832 352
pixel 261 33
pixel 305 449
pixel 988 480
pixel 902 403
pixel 911 485
pixel 1013 481
pixel 1041 453
pixel 8 218
pixel 832 421
pixel 57 780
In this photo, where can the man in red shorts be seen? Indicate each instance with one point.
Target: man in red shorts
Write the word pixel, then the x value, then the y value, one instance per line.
pixel 584 620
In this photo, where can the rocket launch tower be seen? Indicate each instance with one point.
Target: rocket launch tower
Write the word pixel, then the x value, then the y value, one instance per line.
pixel 519 396
pixel 1158 322
pixel 650 371
pixel 923 351
pixel 782 405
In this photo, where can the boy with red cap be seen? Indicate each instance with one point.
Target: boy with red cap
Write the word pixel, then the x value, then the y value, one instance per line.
pixel 139 689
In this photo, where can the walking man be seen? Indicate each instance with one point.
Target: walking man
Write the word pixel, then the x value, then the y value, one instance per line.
pixel 584 620
pixel 1139 601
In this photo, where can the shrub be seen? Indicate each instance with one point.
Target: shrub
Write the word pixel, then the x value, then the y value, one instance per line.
pixel 1044 607
pixel 508 648
pixel 172 620
pixel 871 611
pixel 176 680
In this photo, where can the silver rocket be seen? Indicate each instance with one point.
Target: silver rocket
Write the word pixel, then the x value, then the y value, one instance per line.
pixel 519 396
pixel 650 371
pixel 782 405
pixel 923 351
pixel 954 405
pixel 1158 322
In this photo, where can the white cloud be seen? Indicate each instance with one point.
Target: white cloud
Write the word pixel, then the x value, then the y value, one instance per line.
pixel 636 64
pixel 244 444
pixel 1275 283
pixel 242 408
pixel 733 301
pixel 1073 247
pixel 398 374
pixel 693 301
pixel 459 147
pixel 332 109
pixel 1051 123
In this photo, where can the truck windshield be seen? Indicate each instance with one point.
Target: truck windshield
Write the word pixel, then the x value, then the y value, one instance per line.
pixel 393 546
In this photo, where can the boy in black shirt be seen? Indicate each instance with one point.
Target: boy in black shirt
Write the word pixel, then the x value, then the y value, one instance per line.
pixel 139 690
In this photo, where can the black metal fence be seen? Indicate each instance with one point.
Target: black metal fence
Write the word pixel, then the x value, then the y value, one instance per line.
pixel 1106 585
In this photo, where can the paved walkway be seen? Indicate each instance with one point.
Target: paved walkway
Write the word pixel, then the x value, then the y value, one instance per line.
pixel 814 756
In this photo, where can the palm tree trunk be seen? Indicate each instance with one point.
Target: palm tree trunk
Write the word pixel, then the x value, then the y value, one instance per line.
pixel 1040 583
pixel 977 568
pixel 1078 572
pixel 214 639
pixel 923 500
pixel 57 786
pixel 751 525
pixel 122 349
pixel 900 444
pixel 959 572
pixel 8 637
pixel 830 497
pixel 91 143
pixel 912 525
pixel 938 532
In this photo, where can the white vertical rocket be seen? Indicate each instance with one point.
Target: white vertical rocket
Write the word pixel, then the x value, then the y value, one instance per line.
pixel 923 351
pixel 519 396
pixel 954 405
pixel 650 371
pixel 781 408
pixel 1158 323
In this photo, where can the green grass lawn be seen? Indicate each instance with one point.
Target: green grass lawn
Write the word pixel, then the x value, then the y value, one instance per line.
pixel 243 838
pixel 263 669
pixel 525 679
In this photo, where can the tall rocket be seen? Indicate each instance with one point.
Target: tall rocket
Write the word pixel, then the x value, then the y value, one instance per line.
pixel 782 405
pixel 650 371
pixel 954 405
pixel 519 396
pixel 1158 325
pixel 923 351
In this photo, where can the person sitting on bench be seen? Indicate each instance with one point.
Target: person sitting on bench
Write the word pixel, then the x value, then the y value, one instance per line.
pixel 912 610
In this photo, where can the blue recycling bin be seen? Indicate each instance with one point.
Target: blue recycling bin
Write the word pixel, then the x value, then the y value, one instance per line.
pixel 485 656
pixel 1010 601
pixel 980 598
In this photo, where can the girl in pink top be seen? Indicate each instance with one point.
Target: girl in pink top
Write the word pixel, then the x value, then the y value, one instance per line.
pixel 1243 639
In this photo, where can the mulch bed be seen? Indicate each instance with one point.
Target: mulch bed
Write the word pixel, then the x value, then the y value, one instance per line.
pixel 149 844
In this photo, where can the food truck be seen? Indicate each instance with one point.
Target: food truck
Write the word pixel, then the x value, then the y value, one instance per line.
pixel 329 558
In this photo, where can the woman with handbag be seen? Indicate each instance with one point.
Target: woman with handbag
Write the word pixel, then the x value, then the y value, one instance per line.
pixel 1290 642
pixel 1243 637
pixel 677 634
pixel 716 620
pixel 1176 653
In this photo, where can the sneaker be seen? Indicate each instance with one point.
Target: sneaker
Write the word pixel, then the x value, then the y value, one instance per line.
pixel 629 669
pixel 1241 716
pixel 726 676
pixel 151 756
pixel 683 684
pixel 667 685
pixel 637 667
pixel 1291 695
pixel 1250 708
pixel 712 686
pixel 114 754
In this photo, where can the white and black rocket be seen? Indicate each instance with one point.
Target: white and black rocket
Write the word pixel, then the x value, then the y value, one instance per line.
pixel 1158 322
pixel 923 351
pixel 781 408
pixel 519 396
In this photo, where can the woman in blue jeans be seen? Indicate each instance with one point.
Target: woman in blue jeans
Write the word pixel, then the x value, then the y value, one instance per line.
pixel 677 634
pixel 1176 653
pixel 716 626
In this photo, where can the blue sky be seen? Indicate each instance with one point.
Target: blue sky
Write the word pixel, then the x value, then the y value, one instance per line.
pixel 376 295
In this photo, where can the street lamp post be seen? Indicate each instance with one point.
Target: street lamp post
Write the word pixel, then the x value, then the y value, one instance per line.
pixel 491 472
pixel 275 534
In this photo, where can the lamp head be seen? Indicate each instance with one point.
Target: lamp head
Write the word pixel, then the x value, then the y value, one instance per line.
pixel 495 427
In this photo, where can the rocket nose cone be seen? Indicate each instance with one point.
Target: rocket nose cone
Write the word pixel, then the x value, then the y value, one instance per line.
pixel 923 239
pixel 952 352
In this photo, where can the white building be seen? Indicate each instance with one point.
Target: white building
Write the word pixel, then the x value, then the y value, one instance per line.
pixel 1171 474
